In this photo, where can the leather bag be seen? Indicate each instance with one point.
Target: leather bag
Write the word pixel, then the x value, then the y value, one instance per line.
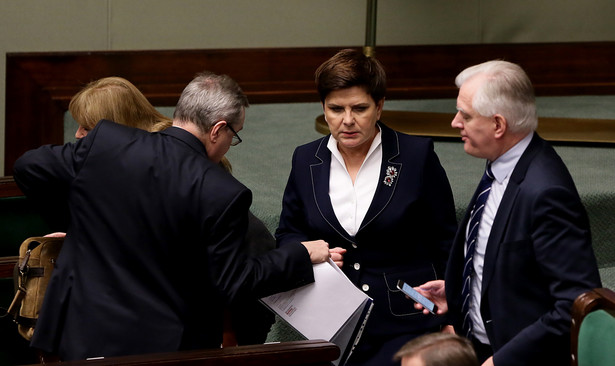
pixel 37 257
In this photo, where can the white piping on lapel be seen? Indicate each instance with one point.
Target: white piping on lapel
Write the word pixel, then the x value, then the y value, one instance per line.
pixel 393 185
pixel 342 233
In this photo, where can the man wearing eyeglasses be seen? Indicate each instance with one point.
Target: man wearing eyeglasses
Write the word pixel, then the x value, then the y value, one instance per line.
pixel 155 238
pixel 212 122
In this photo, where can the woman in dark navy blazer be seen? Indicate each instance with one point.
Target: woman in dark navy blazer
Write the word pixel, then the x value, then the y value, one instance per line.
pixel 379 198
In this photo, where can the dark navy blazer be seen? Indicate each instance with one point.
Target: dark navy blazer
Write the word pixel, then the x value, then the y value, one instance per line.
pixel 154 247
pixel 539 258
pixel 406 234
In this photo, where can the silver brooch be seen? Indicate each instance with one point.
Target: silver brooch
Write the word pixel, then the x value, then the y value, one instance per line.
pixel 390 177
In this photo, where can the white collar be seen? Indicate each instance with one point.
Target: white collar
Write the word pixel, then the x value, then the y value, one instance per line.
pixel 503 166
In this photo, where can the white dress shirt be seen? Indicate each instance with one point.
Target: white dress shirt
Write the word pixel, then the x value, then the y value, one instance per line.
pixel 502 168
pixel 351 201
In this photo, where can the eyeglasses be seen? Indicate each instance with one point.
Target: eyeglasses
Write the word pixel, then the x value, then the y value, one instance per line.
pixel 236 139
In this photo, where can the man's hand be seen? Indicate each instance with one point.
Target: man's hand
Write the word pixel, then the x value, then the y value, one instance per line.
pixel 434 291
pixel 56 235
pixel 318 250
pixel 337 255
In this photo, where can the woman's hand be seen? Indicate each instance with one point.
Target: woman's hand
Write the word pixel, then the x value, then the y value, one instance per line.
pixel 318 250
pixel 337 255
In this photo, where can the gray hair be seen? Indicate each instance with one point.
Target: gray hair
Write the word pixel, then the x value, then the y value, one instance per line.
pixel 210 98
pixel 507 90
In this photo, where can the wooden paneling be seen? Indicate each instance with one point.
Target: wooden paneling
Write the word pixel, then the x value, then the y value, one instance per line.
pixel 7 265
pixel 577 131
pixel 40 85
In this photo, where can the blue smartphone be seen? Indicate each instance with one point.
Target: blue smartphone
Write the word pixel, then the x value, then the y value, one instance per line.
pixel 416 296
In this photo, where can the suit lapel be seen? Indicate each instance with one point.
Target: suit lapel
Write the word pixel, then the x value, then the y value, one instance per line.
pixel 390 172
pixel 502 218
pixel 320 173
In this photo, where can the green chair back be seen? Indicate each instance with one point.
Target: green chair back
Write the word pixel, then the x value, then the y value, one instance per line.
pixel 596 344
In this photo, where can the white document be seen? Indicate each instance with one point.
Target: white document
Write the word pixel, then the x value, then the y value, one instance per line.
pixel 332 308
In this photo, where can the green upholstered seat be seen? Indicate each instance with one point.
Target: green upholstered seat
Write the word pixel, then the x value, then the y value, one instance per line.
pixel 592 335
pixel 596 344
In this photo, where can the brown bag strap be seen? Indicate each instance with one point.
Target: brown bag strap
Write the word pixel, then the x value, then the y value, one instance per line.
pixel 36 272
pixel 24 271
pixel 14 308
pixel 25 322
pixel 23 266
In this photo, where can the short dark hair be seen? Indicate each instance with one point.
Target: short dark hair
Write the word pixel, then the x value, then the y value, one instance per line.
pixel 440 349
pixel 348 68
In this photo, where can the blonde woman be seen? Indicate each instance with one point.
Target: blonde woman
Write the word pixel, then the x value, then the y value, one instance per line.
pixel 115 99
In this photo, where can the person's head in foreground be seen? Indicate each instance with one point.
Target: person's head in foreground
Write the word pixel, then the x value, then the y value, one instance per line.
pixel 437 349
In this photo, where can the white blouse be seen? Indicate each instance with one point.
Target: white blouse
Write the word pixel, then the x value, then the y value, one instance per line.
pixel 351 201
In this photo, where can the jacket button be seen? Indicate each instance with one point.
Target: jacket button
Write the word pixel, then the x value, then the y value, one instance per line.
pixel 365 287
pixel 357 266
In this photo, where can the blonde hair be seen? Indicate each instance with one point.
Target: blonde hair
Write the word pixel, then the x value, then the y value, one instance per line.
pixel 115 99
pixel 161 126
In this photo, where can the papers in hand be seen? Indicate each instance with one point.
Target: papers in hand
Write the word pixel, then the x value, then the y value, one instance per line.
pixel 331 308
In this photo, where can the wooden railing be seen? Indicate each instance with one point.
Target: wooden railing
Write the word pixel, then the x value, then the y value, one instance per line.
pixel 298 353
pixel 8 188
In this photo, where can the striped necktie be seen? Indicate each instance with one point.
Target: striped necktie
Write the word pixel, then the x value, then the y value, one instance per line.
pixel 484 187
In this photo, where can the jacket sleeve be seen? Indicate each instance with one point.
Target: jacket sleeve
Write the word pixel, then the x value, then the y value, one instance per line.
pixel 291 228
pixel 440 209
pixel 45 175
pixel 562 247
pixel 239 276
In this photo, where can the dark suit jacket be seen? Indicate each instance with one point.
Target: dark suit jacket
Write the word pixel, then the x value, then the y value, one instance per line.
pixel 154 246
pixel 406 233
pixel 539 258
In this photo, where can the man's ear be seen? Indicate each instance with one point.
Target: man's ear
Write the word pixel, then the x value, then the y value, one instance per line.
pixel 214 131
pixel 500 126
